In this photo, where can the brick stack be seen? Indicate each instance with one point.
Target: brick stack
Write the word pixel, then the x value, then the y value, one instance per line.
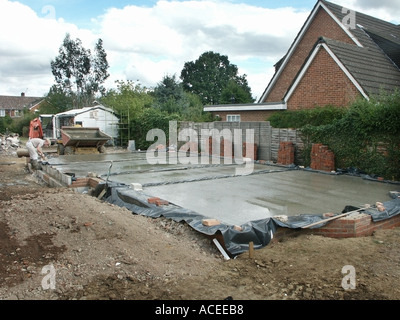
pixel 286 153
pixel 231 147
pixel 322 158
pixel 358 225
pixel 252 146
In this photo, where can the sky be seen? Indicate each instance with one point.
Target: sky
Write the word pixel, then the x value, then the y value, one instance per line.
pixel 146 40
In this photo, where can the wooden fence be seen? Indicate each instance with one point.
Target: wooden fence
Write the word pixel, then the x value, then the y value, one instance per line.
pixel 266 137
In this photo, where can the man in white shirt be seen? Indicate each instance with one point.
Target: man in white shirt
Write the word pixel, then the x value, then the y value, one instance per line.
pixel 34 147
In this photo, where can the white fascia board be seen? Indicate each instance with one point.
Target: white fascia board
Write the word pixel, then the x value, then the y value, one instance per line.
pixel 298 39
pixel 252 107
pixel 344 69
pixel 344 28
pixel 337 61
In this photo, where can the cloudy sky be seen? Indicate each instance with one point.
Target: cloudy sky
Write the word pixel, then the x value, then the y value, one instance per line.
pixel 148 39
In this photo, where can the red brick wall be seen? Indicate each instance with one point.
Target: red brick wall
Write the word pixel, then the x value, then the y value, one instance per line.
pixel 355 226
pixel 324 83
pixel 322 25
pixel 347 227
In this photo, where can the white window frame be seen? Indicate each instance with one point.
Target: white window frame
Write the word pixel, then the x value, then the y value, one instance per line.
pixel 2 113
pixel 233 118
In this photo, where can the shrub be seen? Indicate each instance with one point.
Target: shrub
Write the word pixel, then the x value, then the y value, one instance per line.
pixel 297 119
pixel 366 137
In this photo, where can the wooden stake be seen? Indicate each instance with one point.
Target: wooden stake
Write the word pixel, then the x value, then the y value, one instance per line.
pixel 251 250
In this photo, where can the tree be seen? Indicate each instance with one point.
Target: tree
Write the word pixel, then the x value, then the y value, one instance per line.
pixel 235 93
pixel 171 98
pixel 128 97
pixel 169 95
pixel 56 101
pixel 129 100
pixel 209 75
pixel 79 74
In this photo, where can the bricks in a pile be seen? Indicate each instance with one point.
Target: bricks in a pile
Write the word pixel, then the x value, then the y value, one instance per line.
pixel 322 158
pixel 286 153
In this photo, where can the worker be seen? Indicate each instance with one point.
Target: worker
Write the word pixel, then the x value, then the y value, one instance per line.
pixel 34 147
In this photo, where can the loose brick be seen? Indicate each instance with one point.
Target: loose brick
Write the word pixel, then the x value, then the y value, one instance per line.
pixel 153 200
pixel 210 222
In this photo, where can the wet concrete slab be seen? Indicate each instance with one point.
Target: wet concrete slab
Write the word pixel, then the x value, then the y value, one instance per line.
pixel 213 190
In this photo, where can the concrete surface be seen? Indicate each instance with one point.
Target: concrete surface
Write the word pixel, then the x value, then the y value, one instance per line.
pixel 214 190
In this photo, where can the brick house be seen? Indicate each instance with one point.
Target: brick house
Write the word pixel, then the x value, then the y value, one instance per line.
pixel 14 106
pixel 337 56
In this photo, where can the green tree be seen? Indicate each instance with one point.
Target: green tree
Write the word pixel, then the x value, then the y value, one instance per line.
pixel 56 101
pixel 235 93
pixel 78 73
pixel 129 100
pixel 147 120
pixel 209 75
pixel 169 95
pixel 128 97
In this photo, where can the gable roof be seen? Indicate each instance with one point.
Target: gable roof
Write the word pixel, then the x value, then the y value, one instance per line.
pixel 371 68
pixel 19 102
pixel 76 112
pixel 369 71
pixel 367 29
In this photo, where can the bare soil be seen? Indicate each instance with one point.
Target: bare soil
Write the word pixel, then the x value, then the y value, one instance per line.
pixel 103 252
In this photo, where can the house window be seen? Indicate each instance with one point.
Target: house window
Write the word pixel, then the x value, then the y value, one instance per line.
pixel 233 118
pixel 2 113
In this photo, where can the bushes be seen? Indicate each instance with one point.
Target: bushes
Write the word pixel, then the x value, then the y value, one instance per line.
pixel 315 117
pixel 148 119
pixel 366 137
pixel 16 125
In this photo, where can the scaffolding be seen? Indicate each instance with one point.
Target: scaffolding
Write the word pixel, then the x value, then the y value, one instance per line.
pixel 124 132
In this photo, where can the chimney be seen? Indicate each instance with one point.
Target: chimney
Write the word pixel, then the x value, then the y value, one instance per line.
pixel 22 94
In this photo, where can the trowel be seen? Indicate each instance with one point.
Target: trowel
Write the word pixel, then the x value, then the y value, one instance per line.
pixel 44 161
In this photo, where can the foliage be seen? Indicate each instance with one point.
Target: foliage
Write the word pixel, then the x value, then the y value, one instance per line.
pixel 129 97
pixel 209 75
pixel 367 137
pixel 194 110
pixel 78 73
pixel 147 120
pixel 21 125
pixel 56 101
pixel 5 123
pixel 315 117
pixel 170 97
pixel 235 93
pixel 129 101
